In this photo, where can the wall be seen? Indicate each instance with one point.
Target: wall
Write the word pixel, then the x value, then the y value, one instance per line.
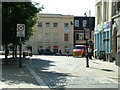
pixel 39 37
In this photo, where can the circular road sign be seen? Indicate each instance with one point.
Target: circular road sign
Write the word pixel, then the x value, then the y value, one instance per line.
pixel 21 27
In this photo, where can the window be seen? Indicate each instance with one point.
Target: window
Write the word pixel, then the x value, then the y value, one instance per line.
pixel 80 36
pixel 55 37
pixel 65 24
pixel 47 24
pixel 118 6
pixel 47 36
pixel 99 15
pixel 39 24
pixel 55 24
pixel 115 7
pixel 77 36
pixel 40 37
pixel 65 37
pixel 105 11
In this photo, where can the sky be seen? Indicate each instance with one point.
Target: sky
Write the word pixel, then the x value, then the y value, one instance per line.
pixel 68 7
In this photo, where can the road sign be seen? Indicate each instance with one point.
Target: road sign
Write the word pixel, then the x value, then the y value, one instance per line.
pixel 20 30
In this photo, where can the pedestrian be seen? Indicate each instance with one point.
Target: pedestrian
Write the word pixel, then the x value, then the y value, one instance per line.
pixel 7 52
pixel 30 52
pixel 90 52
pixel 38 51
pixel 60 52
pixel 67 51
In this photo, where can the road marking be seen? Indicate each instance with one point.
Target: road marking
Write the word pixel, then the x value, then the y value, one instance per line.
pixel 38 79
pixel 111 80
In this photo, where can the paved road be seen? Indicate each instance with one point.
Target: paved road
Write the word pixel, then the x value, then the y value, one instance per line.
pixel 69 72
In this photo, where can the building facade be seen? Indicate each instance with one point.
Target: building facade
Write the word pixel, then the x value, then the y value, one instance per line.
pixel 81 24
pixel 103 30
pixel 54 32
pixel 116 31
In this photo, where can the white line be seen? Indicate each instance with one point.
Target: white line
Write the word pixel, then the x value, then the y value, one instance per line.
pixel 112 80
pixel 38 79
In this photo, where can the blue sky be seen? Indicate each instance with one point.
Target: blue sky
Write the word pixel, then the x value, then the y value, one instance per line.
pixel 68 7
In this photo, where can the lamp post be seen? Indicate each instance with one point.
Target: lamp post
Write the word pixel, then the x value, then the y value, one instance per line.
pixel 86 37
pixel 89 21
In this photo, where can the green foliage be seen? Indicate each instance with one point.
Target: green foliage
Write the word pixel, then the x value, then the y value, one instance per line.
pixel 14 13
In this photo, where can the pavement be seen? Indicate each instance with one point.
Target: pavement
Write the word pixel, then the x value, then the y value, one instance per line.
pixel 15 77
pixel 26 77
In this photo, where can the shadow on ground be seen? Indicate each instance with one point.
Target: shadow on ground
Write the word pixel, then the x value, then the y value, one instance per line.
pixel 107 70
pixel 51 78
pixel 12 74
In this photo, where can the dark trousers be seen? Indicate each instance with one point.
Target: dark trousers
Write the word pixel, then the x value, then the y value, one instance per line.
pixel 90 55
pixel 68 54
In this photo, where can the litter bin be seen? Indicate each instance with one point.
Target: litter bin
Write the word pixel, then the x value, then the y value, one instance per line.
pixel 102 55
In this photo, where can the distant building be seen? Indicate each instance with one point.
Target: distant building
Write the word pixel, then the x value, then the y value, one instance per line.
pixel 53 31
pixel 116 31
pixel 81 24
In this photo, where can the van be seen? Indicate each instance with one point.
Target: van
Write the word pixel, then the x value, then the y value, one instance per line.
pixel 79 50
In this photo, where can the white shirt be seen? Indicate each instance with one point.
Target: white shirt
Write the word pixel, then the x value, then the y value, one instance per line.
pixel 89 50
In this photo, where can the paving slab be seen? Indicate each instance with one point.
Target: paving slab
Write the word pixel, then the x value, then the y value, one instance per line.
pixel 15 77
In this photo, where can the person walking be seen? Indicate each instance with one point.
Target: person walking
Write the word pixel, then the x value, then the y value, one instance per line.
pixel 90 52
pixel 67 51
pixel 60 52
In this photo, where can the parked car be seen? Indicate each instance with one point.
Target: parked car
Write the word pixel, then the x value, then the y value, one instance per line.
pixel 79 51
pixel 47 52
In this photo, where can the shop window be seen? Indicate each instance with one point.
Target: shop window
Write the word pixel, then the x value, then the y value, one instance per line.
pixel 77 36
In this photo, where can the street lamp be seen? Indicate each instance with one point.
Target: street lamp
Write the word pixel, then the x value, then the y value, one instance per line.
pixel 87 33
pixel 86 38
pixel 89 20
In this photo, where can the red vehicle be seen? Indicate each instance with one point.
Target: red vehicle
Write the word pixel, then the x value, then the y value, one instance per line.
pixel 79 51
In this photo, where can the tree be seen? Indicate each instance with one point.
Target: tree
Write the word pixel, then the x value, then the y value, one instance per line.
pixel 14 13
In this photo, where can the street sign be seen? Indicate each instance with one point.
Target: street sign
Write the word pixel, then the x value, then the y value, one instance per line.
pixel 20 30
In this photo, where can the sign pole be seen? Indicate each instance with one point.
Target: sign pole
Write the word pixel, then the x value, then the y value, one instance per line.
pixel 20 34
pixel 20 62
pixel 87 60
